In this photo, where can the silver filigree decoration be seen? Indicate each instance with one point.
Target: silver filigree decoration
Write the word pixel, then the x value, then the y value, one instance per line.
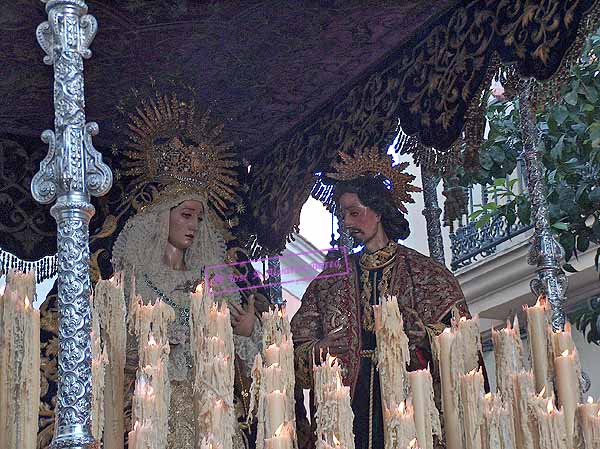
pixel 45 39
pixel 545 252
pixel 99 175
pixel 89 27
pixel 432 213
pixel 71 172
pixel 44 184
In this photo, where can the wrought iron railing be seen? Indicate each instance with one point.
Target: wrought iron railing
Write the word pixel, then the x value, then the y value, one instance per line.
pixel 470 243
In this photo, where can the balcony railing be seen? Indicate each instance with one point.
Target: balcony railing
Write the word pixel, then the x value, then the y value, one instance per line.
pixel 470 243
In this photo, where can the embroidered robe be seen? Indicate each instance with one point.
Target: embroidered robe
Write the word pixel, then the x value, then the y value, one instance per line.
pixel 426 292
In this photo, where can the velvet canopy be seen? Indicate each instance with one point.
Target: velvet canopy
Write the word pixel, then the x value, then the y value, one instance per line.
pixel 293 82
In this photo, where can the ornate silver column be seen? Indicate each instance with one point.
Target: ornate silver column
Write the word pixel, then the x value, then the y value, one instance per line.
pixel 71 171
pixel 432 213
pixel 545 251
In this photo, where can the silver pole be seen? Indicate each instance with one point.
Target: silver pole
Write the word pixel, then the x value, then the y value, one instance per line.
pixel 71 172
pixel 275 279
pixel 545 251
pixel 432 213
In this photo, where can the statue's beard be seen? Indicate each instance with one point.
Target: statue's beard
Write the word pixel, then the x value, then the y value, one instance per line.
pixel 356 233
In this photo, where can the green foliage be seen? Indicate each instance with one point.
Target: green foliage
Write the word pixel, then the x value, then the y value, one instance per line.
pixel 586 320
pixel 570 139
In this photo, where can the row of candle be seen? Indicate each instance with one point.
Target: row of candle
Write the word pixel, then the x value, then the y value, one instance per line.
pixel 516 416
pixel 406 417
pixel 211 340
pixel 273 383
pixel 151 397
pixel 334 416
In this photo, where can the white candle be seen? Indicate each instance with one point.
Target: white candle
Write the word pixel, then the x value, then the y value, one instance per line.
pixel 589 419
pixel 471 387
pixel 211 339
pixel 272 355
pixel 332 395
pixel 453 428
pixel 497 430
pixel 151 399
pixel 508 351
pixel 427 418
pixel 567 382
pixel 537 331
pixel 275 411
pixel 280 440
pixel 522 390
pixel 109 309
pixel 19 363
pixel 401 426
pixel 549 431
pixel 272 394
pixel 393 355
pixel 456 351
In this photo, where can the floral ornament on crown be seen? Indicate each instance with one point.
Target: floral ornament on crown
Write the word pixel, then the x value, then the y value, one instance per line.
pixel 370 162
pixel 180 149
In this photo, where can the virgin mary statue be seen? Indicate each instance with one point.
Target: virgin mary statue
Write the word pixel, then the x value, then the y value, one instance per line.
pixel 183 173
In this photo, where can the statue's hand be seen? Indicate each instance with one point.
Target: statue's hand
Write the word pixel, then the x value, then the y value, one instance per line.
pixel 242 319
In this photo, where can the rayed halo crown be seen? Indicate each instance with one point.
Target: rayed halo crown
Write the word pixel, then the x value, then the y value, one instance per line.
pixel 178 148
pixel 370 162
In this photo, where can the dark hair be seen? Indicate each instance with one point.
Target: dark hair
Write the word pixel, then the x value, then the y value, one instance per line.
pixel 373 193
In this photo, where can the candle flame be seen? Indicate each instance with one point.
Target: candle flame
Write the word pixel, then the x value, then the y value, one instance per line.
pixel 413 443
pixel 590 400
pixel 336 441
pixel 402 408
pixel 151 340
pixel 567 328
pixel 136 426
pixel 550 406
pixel 279 430
pixel 472 372
pixel 565 353
pixel 542 392
pixel 27 303
pixel 488 396
pixel 199 289
pixel 463 319
pixel 219 402
pixel 112 279
pixel 447 331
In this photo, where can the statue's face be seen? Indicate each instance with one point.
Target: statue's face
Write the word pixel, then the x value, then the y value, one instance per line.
pixel 183 224
pixel 360 221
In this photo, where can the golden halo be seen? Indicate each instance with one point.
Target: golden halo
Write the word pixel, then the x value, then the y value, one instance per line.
pixel 370 162
pixel 171 143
